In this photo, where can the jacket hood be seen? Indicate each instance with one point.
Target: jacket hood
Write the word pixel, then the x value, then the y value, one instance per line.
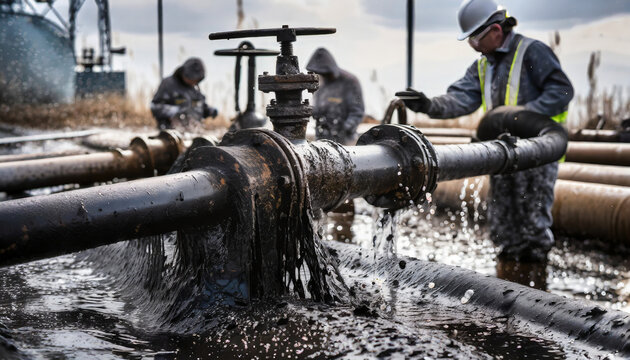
pixel 322 62
pixel 192 69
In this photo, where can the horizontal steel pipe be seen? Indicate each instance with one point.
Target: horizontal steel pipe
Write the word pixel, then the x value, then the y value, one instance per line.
pixel 34 156
pixel 46 226
pixel 540 141
pixel 599 153
pixel 74 169
pixel 605 153
pixel 598 135
pixel 592 173
pixel 47 136
pixel 337 173
pixel 493 157
pixel 582 209
pixel 393 166
pixel 448 140
pixel 145 157
pixel 42 226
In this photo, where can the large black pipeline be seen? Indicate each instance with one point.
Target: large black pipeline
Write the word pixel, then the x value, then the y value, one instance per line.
pixel 540 141
pixel 393 166
pixel 46 226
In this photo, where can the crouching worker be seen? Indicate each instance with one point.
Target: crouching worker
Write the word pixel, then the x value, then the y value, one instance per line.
pixel 512 70
pixel 178 103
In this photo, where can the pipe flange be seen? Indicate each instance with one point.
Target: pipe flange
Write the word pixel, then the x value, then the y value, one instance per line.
pixel 278 112
pixel 159 152
pixel 140 146
pixel 509 144
pixel 268 142
pixel 418 171
pixel 291 82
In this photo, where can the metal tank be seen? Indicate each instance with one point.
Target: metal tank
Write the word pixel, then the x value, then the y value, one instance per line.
pixel 36 58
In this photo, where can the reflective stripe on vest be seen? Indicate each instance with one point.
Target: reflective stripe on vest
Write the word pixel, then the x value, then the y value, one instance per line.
pixel 513 83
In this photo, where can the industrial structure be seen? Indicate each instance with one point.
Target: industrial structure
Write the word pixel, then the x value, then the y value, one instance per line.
pixel 40 54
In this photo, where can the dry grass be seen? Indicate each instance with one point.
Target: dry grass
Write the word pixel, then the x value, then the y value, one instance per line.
pixel 607 108
pixel 110 111
pixel 600 108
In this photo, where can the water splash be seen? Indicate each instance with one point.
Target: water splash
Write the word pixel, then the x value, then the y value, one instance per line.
pixel 259 252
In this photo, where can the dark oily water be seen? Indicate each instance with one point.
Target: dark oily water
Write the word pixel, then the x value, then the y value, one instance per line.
pixel 60 309
pixel 577 268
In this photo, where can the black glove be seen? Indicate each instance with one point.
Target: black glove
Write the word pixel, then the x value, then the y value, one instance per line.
pixel 210 111
pixel 415 100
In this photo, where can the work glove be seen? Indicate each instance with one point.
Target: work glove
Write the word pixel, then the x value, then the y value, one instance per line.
pixel 161 110
pixel 210 111
pixel 415 100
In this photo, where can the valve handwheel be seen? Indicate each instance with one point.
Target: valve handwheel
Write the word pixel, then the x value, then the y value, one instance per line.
pixel 288 113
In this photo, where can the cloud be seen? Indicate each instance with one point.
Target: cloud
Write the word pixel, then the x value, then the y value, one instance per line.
pixel 539 14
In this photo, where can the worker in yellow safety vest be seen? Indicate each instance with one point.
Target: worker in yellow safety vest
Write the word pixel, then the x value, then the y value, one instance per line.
pixel 512 70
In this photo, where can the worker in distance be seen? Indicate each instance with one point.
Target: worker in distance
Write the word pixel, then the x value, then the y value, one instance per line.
pixel 178 102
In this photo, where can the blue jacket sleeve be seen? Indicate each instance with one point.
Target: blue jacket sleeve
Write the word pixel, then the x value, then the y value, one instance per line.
pixel 547 75
pixel 462 97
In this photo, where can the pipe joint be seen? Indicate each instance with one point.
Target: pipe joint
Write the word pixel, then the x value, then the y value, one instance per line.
pixel 159 152
pixel 417 170
pixel 509 143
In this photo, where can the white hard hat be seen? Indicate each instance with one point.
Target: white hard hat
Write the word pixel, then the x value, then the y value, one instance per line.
pixel 473 14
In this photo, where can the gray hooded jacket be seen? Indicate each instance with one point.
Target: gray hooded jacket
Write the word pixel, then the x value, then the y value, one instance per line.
pixel 338 104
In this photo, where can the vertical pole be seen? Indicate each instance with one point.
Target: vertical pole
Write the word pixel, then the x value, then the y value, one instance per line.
pixel 160 42
pixel 410 27
pixel 251 83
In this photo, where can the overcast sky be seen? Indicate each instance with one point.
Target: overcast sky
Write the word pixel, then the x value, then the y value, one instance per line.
pixel 370 39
